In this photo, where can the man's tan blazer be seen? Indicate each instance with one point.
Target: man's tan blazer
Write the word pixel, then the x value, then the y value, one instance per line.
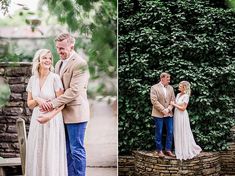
pixel 160 101
pixel 75 78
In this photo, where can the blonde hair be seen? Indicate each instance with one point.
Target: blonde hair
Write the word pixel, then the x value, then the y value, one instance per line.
pixel 65 36
pixel 36 60
pixel 187 86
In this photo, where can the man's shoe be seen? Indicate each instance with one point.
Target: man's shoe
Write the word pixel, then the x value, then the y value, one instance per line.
pixel 169 153
pixel 161 154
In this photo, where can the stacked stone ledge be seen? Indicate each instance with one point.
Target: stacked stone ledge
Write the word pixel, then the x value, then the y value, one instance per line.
pixel 17 76
pixel 126 165
pixel 228 157
pixel 143 163
pixel 148 164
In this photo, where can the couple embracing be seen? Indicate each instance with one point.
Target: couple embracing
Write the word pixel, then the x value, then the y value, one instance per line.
pixel 55 145
pixel 178 125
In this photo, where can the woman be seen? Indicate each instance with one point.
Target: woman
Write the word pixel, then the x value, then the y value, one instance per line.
pixel 185 145
pixel 46 147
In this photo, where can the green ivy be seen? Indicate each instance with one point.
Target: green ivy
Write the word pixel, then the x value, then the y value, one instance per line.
pixel 4 5
pixel 193 41
pixel 98 30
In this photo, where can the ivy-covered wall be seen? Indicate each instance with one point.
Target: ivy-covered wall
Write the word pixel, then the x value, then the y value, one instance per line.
pixel 193 41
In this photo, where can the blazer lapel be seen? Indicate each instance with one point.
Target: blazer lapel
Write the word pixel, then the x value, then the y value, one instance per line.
pixel 160 88
pixel 57 67
pixel 69 64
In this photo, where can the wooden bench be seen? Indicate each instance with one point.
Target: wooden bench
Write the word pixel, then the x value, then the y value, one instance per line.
pixel 6 162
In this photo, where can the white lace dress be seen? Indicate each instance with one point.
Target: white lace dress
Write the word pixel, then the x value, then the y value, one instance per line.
pixel 185 145
pixel 46 146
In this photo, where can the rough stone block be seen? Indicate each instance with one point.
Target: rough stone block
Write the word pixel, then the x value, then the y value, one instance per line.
pixel 11 129
pixel 11 119
pixel 3 128
pixel 18 88
pixel 3 120
pixel 15 146
pixel 174 162
pixel 6 137
pixel 4 145
pixel 8 155
pixel 208 171
pixel 18 71
pixel 15 97
pixel 13 111
pixel 16 80
pixel 15 104
pixel 164 174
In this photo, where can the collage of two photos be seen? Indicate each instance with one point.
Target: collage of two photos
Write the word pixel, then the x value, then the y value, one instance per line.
pixel 127 88
pixel 175 87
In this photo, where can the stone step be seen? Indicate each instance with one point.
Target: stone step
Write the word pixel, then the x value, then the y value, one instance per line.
pixel 232 134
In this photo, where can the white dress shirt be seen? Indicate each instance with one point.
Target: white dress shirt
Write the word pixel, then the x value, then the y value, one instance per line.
pixel 164 88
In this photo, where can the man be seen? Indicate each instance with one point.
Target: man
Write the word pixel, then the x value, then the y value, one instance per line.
pixel 73 71
pixel 161 95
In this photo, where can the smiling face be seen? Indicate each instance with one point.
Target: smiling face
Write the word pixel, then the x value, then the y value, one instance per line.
pixel 45 61
pixel 64 48
pixel 181 88
pixel 166 80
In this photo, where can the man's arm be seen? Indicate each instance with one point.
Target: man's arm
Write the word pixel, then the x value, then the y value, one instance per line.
pixel 170 107
pixel 48 116
pixel 78 81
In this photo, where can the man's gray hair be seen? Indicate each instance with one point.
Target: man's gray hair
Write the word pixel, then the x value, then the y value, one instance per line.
pixel 164 74
pixel 64 36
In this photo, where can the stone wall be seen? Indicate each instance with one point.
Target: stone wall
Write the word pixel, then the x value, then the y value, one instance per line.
pixel 126 165
pixel 228 157
pixel 17 76
pixel 148 164
pixel 210 164
pixel 228 161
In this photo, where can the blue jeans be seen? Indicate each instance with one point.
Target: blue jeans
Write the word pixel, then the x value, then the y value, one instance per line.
pixel 158 132
pixel 76 154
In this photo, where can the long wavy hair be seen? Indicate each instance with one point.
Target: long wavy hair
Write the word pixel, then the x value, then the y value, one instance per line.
pixel 187 86
pixel 36 60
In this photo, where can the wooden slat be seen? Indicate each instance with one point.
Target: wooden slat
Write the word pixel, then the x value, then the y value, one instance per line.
pixel 20 125
pixel 10 162
pixel 2 172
